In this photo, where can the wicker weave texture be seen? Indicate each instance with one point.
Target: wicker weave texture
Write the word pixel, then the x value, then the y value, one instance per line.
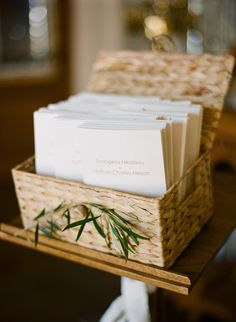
pixel 202 79
pixel 170 224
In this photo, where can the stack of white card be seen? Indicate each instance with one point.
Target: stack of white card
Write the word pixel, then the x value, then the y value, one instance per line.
pixel 141 145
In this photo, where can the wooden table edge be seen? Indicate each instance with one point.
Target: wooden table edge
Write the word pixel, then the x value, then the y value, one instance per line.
pixel 45 245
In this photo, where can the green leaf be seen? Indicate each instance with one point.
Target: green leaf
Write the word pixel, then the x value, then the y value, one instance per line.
pixel 119 238
pixel 120 227
pixel 97 226
pixel 80 231
pixel 119 220
pixel 59 206
pixel 36 235
pixel 120 217
pixel 66 214
pixel 129 230
pixel 120 223
pixel 100 207
pixel 124 240
pixel 134 238
pixel 125 250
pixel 82 228
pixel 138 236
pixel 78 223
pixel 47 233
pixel 131 248
pixel 41 214
pixel 114 231
pixel 53 225
pixel 126 243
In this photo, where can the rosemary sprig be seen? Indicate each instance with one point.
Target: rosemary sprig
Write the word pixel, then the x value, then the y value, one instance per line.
pixel 121 229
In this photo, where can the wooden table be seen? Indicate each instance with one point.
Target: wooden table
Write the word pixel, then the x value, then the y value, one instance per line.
pixel 181 277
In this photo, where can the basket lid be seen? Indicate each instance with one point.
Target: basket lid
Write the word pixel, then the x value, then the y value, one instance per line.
pixel 202 79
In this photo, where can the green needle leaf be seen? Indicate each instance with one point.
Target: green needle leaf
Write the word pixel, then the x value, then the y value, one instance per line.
pixel 82 228
pixel 134 238
pixel 100 207
pixel 121 229
pixel 114 231
pixel 80 231
pixel 138 236
pixel 47 233
pixel 97 226
pixel 59 206
pixel 36 235
pixel 41 214
pixel 125 250
pixel 128 230
pixel 121 218
pixel 126 242
pixel 53 225
pixel 119 222
pixel 78 223
pixel 119 238
pixel 66 214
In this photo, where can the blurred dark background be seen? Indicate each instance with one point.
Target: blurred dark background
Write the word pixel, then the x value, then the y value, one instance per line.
pixel 47 48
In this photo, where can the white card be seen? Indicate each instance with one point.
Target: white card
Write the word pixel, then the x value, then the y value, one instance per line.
pixel 126 160
pixel 139 123
pixel 68 155
pixel 194 129
pixel 162 132
pixel 44 143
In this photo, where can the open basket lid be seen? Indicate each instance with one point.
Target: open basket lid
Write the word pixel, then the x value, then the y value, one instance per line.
pixel 202 79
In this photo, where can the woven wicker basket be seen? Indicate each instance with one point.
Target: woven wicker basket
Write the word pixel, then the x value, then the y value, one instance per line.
pixel 170 223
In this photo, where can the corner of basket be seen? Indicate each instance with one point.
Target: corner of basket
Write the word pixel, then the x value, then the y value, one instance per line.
pixel 22 165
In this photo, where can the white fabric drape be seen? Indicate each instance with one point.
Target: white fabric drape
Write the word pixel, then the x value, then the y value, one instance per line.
pixel 132 305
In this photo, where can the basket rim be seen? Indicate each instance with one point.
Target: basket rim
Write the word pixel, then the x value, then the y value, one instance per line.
pixel 21 168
